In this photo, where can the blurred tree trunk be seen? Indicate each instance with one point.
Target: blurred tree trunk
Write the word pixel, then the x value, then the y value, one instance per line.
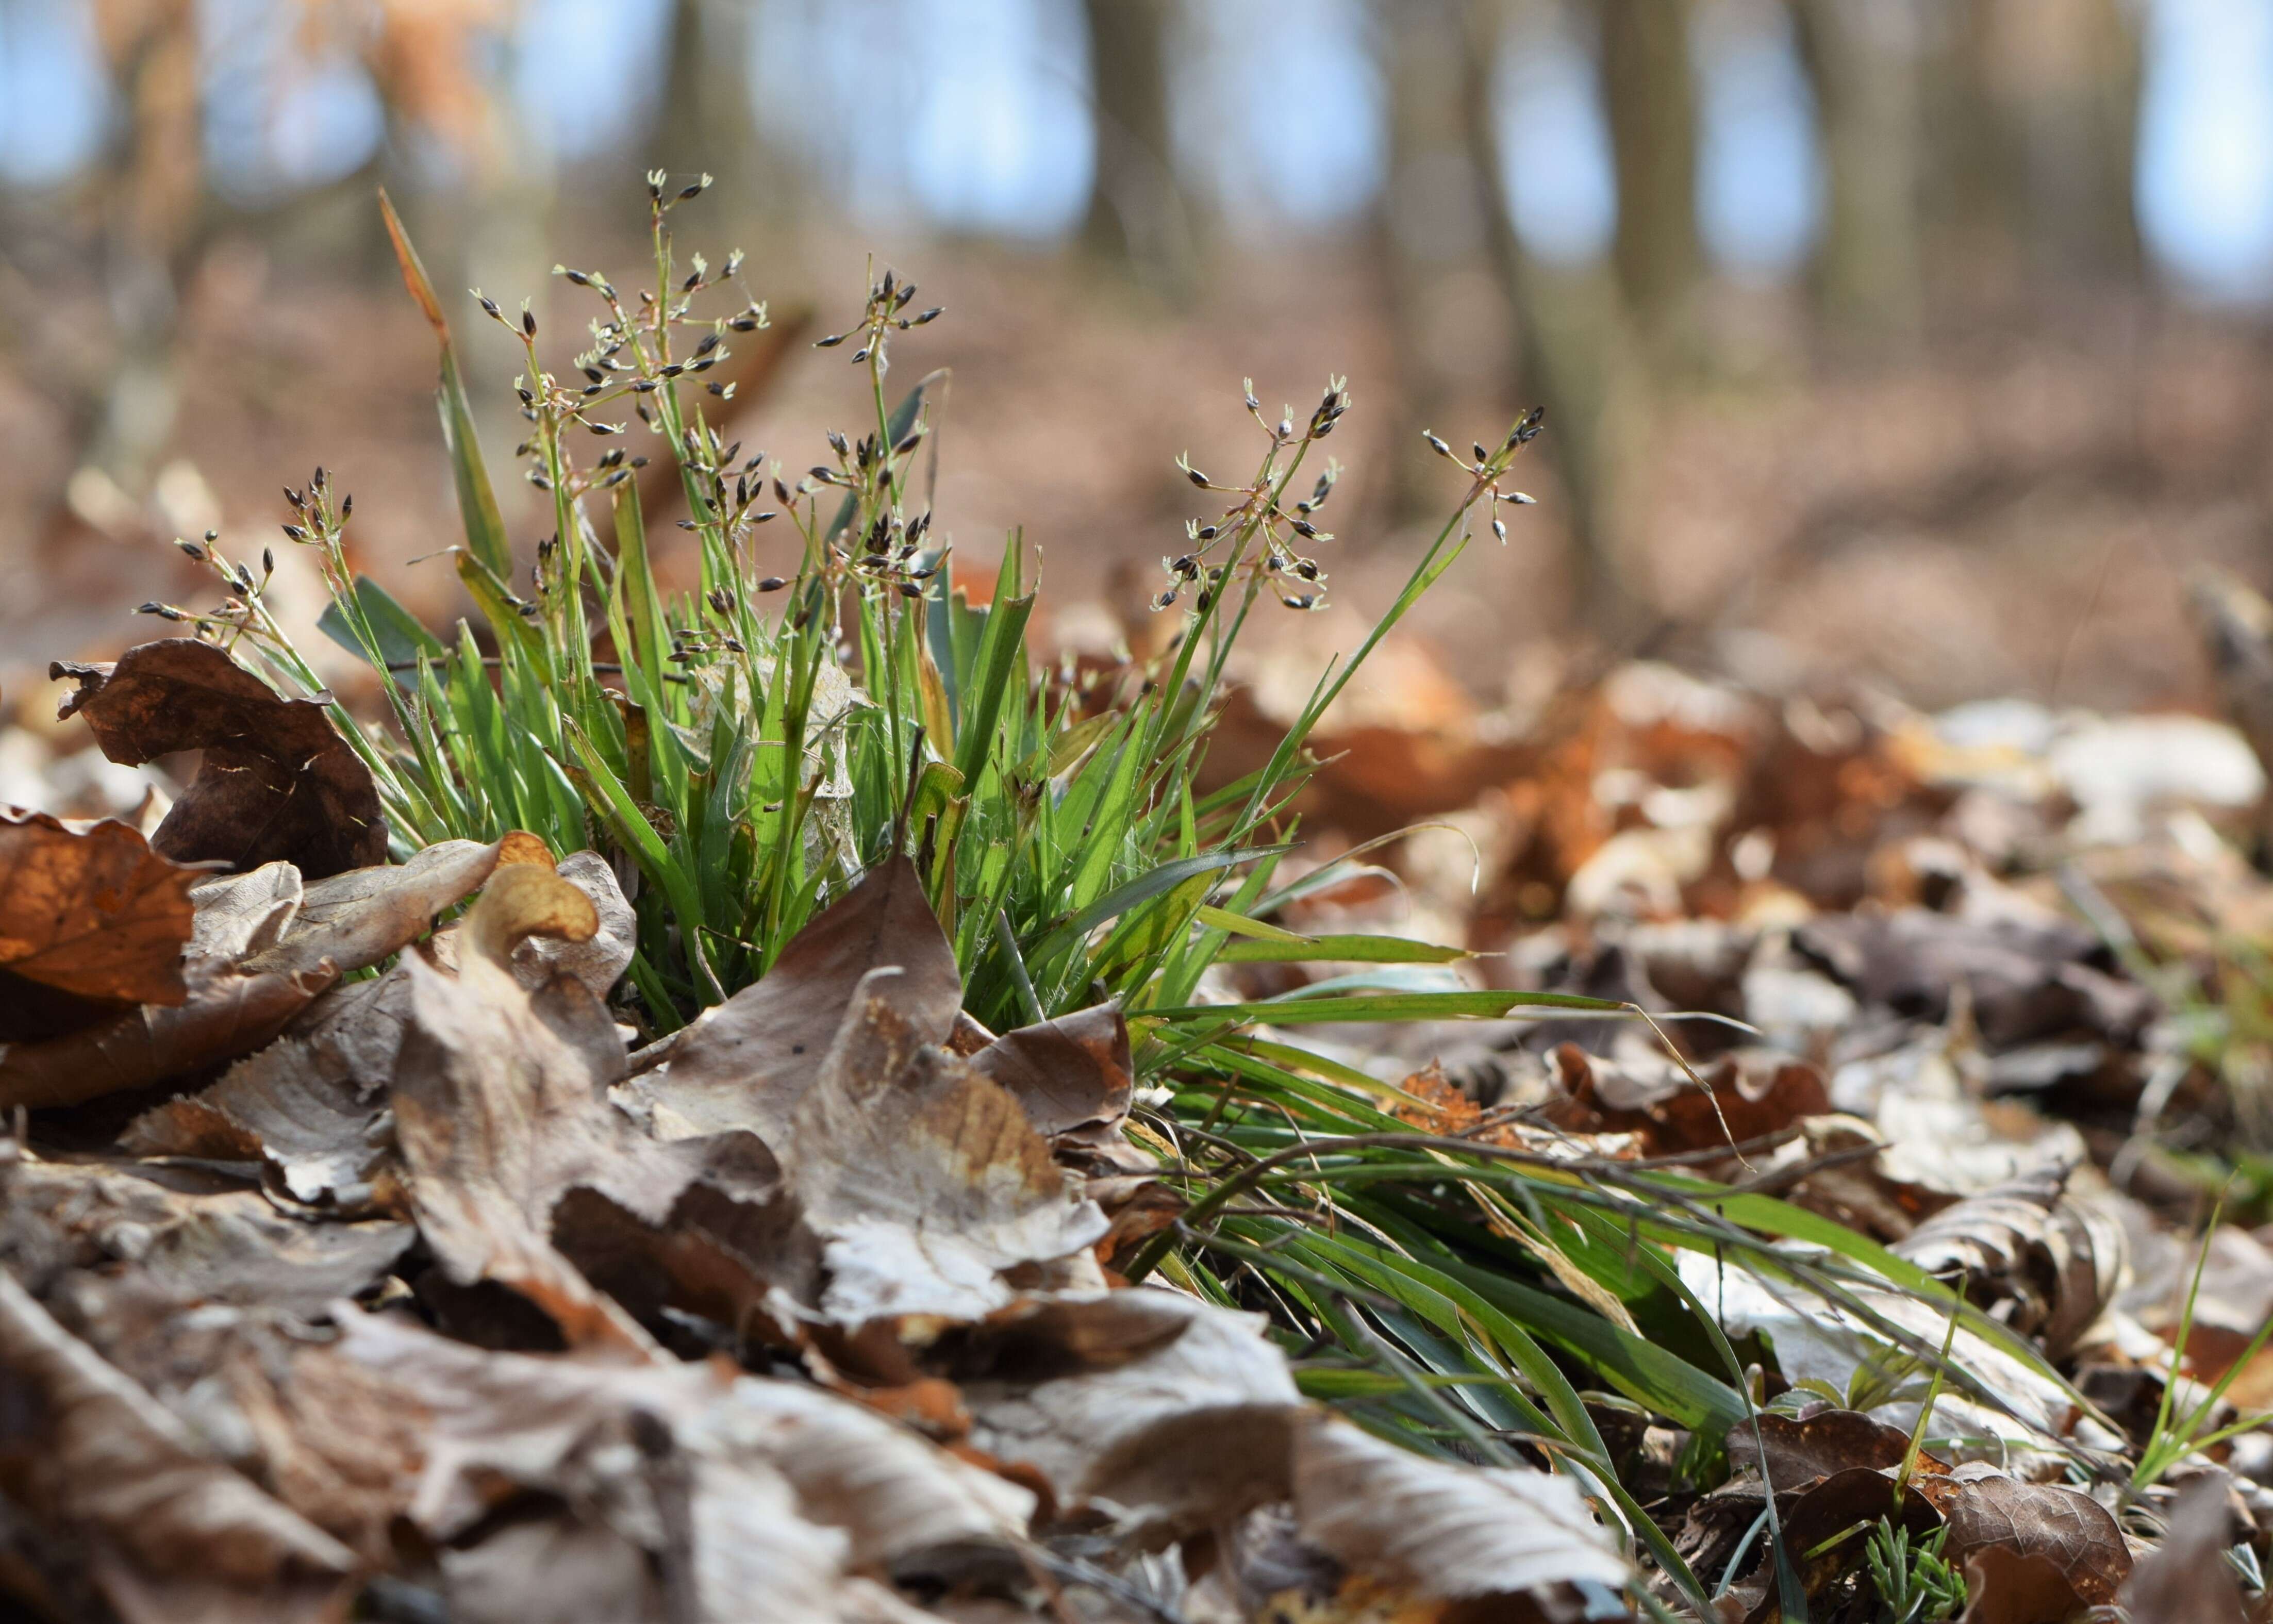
pixel 1137 215
pixel 2038 121
pixel 1431 229
pixel 1651 99
pixel 1577 360
pixel 152 191
pixel 706 123
pixel 1862 62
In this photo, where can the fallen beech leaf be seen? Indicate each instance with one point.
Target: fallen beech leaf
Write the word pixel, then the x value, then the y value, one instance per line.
pixel 2026 978
pixel 1169 1413
pixel 1752 1094
pixel 1815 1340
pixel 364 916
pixel 242 914
pixel 1073 1076
pixel 2004 1586
pixel 2187 1580
pixel 172 1534
pixel 186 1242
pixel 924 1177
pixel 500 1105
pixel 795 1500
pixel 2046 1263
pixel 745 1062
pixel 92 910
pixel 2069 1529
pixel 600 960
pixel 277 780
pixel 1791 1453
pixel 1446 1531
pixel 228 1014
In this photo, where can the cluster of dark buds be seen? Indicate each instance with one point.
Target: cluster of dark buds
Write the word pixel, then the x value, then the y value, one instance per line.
pixel 319 520
pixel 1490 467
pixel 1258 533
pixel 888 298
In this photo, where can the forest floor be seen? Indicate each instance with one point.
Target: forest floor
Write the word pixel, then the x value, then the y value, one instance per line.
pixel 1911 1258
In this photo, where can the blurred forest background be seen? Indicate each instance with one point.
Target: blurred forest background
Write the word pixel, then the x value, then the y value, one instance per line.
pixel 1918 344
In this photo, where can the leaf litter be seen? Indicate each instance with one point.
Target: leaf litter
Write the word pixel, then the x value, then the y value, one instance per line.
pixel 357 1256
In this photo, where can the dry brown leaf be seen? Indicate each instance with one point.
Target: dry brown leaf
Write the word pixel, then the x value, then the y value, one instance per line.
pixel 364 916
pixel 313 1102
pixel 746 1062
pixel 91 910
pixel 501 1110
pixel 277 781
pixel 1074 1077
pixel 1444 1530
pixel 1791 1452
pixel 1168 1413
pixel 2004 1586
pixel 228 1014
pixel 2068 1527
pixel 781 1501
pixel 2046 1263
pixel 925 1179
pixel 172 1534
pixel 500 1105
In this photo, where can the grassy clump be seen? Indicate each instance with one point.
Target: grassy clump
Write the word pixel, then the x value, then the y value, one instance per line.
pixel 749 747
pixel 827 695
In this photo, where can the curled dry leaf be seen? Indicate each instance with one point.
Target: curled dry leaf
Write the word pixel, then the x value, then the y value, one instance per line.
pixel 1814 1339
pixel 312 1104
pixel 1169 1413
pixel 762 1499
pixel 91 910
pixel 1450 1531
pixel 923 1177
pixel 277 780
pixel 2043 1262
pixel 170 1533
pixel 1074 1077
pixel 500 1105
pixel 228 1013
pixel 1751 1094
pixel 180 1237
pixel 745 1062
pixel 2068 1528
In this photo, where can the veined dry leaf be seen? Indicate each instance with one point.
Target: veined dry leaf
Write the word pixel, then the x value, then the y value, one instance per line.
pixel 2043 1262
pixel 182 1238
pixel 277 781
pixel 2067 1527
pixel 1444 1530
pixel 787 1500
pixel 313 1102
pixel 228 1014
pixel 242 914
pixel 746 1062
pixel 92 910
pixel 364 916
pixel 173 1535
pixel 501 1109
pixel 1169 1413
pixel 1074 1077
pixel 1816 1339
pixel 924 1177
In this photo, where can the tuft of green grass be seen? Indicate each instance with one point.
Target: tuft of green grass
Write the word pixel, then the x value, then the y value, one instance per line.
pixel 827 696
